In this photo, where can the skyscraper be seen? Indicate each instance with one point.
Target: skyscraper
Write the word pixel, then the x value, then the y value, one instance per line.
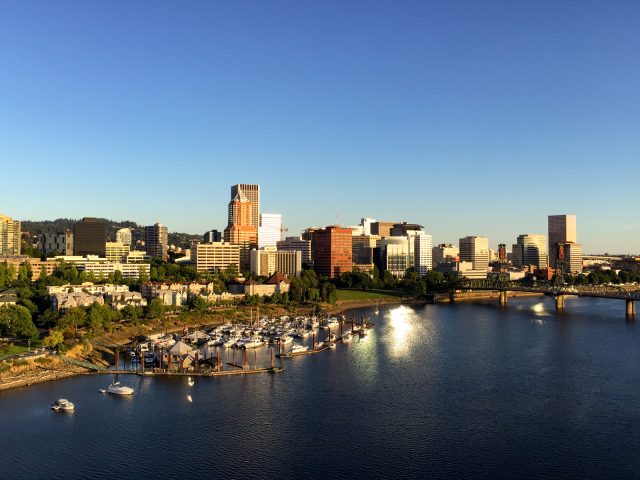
pixel 89 237
pixel 10 236
pixel 156 241
pixel 476 250
pixel 252 192
pixel 422 253
pixel 562 229
pixel 270 229
pixel 240 231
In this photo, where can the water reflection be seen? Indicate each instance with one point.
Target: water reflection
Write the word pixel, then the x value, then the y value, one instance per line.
pixel 402 324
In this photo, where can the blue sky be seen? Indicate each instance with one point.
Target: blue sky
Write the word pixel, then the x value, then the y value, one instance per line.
pixel 471 118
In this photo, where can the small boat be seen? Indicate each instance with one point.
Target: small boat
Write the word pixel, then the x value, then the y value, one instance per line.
pixel 332 344
pixel 347 337
pixel 102 390
pixel 62 405
pixel 189 399
pixel 117 389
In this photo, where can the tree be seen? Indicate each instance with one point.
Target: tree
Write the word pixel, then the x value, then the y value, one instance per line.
pixel 55 338
pixel 15 320
pixel 197 303
pixel 155 309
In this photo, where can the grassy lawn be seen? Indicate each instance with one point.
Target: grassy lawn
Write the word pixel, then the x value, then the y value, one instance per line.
pixel 367 294
pixel 13 350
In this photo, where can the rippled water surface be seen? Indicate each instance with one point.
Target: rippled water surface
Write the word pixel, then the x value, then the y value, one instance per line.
pixel 436 391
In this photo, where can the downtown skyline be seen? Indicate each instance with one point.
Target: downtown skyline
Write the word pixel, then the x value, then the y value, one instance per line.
pixel 433 114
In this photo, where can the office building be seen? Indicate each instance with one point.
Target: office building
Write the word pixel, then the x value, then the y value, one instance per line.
pixel 89 237
pixel 216 256
pixel 56 243
pixel 124 236
pixel 445 252
pixel 362 251
pixel 293 244
pixel 382 229
pixel 394 255
pixel 331 251
pixel 422 253
pixel 366 225
pixel 156 241
pixel 212 236
pixel 10 236
pixel 530 250
pixel 475 250
pixel 117 251
pixel 562 229
pixel 101 267
pixel 269 260
pixel 270 230
pixel 570 257
pixel 462 269
pixel 252 193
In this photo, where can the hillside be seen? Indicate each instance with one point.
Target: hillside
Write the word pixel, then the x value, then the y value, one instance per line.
pixel 35 228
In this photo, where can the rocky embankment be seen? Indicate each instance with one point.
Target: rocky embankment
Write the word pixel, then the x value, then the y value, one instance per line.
pixel 22 373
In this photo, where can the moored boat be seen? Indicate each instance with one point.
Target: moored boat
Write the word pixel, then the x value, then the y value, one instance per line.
pixel 118 389
pixel 62 405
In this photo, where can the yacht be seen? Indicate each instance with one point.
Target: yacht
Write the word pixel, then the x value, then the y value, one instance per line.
pixel 62 405
pixel 117 389
pixel 297 348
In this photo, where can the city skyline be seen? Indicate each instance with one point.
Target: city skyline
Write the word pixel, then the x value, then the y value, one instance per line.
pixel 322 105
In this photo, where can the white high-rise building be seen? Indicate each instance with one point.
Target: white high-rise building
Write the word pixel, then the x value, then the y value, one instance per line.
pixel 475 250
pixel 270 229
pixel 422 253
pixel 123 236
pixel 366 225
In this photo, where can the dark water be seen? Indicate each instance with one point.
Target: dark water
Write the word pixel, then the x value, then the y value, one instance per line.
pixel 441 391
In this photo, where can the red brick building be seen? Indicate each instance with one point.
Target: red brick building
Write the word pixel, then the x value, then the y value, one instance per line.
pixel 331 251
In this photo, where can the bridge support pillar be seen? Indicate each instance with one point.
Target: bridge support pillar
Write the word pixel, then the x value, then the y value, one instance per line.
pixel 631 308
pixel 502 297
pixel 559 302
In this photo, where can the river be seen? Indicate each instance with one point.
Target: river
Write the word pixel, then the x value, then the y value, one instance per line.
pixel 469 390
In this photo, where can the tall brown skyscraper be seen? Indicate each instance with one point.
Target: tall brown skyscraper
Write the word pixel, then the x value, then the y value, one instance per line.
pixel 252 193
pixel 240 230
pixel 90 237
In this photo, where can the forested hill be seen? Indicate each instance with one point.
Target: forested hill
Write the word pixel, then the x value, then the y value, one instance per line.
pixel 58 225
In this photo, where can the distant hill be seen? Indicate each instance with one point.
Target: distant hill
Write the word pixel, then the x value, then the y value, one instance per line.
pixel 58 225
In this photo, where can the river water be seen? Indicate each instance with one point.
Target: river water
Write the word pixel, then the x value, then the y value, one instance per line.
pixel 435 391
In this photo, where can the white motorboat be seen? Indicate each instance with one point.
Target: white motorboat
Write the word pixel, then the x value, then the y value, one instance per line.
pixel 297 348
pixel 347 337
pixel 118 389
pixel 62 405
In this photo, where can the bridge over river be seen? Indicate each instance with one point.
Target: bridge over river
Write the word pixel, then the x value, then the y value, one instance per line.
pixel 502 285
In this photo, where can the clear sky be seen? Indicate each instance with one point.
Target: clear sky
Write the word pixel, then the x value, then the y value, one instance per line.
pixel 470 118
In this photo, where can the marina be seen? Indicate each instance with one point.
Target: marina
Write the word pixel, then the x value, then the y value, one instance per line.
pixel 212 352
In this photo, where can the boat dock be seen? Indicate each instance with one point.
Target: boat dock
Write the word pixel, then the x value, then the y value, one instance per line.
pixel 162 373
